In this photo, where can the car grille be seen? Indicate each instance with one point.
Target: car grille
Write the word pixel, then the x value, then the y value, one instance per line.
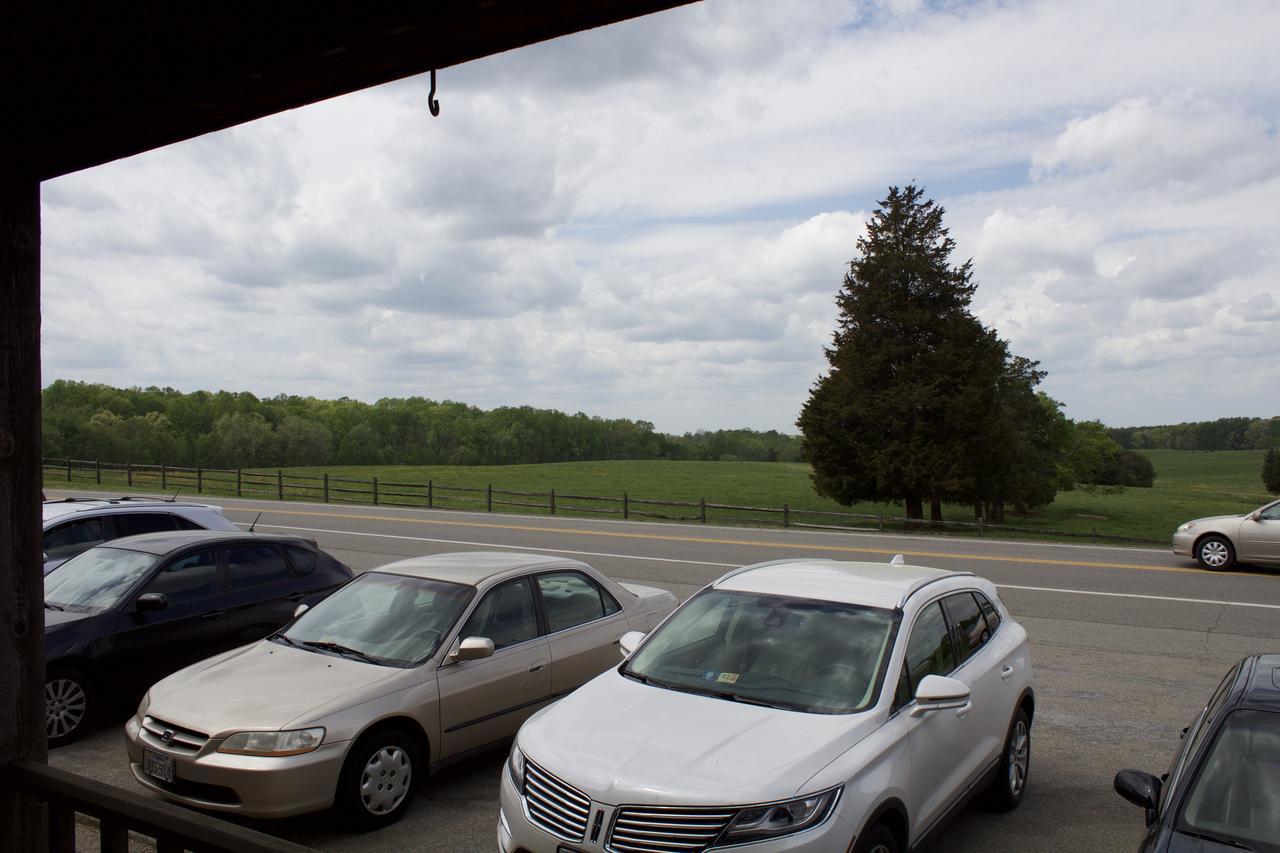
pixel 643 829
pixel 181 740
pixel 558 808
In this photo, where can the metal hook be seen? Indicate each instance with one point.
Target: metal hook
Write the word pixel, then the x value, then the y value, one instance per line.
pixel 431 96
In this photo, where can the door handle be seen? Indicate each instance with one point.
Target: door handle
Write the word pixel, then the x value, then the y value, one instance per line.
pixel 1006 672
pixel 536 668
pixel 212 614
pixel 963 710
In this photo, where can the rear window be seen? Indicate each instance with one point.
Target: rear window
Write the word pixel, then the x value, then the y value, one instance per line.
pixel 303 559
pixel 137 523
pixel 255 564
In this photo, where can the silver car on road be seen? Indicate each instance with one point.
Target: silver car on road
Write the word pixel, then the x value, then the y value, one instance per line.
pixel 1220 541
pixel 406 668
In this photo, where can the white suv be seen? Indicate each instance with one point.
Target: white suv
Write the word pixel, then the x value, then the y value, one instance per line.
pixel 73 525
pixel 794 705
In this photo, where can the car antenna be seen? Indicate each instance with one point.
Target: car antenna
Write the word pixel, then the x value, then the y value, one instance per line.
pixel 897 560
pixel 255 521
pixel 175 496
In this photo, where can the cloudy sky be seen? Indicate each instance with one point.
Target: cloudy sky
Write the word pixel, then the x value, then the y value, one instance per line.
pixel 651 220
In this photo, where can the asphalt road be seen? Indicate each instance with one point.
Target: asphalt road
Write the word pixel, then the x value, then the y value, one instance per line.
pixel 1127 645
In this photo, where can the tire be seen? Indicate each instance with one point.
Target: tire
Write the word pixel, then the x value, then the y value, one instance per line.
pixel 1215 553
pixel 1011 779
pixel 71 704
pixel 879 840
pixel 378 780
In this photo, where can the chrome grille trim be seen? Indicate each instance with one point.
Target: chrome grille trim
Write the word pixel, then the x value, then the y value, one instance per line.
pixel 648 829
pixel 182 740
pixel 555 806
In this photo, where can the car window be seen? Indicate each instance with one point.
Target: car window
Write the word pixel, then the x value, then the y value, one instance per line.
pixel 989 612
pixel 183 523
pixel 137 523
pixel 505 615
pixel 303 559
pixel 67 540
pixel 1271 513
pixel 929 652
pixel 189 578
pixel 570 598
pixel 971 628
pixel 1194 734
pixel 1235 794
pixel 253 564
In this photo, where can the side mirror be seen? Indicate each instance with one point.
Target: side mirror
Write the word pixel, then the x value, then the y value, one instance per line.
pixel 1141 789
pixel 300 609
pixel 629 641
pixel 937 693
pixel 152 601
pixel 472 648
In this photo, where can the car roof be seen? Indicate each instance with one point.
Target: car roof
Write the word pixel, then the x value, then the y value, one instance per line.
pixel 1262 690
pixel 472 567
pixel 167 542
pixel 68 506
pixel 886 585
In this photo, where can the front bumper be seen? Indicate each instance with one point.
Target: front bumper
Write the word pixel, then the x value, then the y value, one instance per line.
pixel 249 785
pixel 517 833
pixel 1184 543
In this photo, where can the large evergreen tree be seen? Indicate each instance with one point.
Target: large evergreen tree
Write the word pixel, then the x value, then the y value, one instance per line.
pixel 1271 471
pixel 922 402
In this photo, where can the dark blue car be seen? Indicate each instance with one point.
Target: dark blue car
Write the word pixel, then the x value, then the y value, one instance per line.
pixel 123 615
pixel 1222 792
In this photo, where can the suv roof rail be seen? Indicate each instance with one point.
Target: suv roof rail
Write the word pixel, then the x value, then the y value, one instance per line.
pixel 923 582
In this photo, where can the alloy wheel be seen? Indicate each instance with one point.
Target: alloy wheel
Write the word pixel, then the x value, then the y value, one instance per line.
pixel 65 704
pixel 385 780
pixel 1019 758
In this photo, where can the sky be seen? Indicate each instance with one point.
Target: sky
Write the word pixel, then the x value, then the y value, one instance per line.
pixel 651 220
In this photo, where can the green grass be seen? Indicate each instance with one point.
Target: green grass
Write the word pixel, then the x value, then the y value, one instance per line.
pixel 1188 484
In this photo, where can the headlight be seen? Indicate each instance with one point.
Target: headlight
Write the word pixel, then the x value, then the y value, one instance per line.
pixel 759 823
pixel 273 743
pixel 1184 528
pixel 144 705
pixel 515 764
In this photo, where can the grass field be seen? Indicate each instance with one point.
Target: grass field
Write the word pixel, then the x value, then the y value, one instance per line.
pixel 1188 484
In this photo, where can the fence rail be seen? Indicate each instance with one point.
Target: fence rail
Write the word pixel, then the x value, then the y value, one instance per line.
pixel 120 812
pixel 433 495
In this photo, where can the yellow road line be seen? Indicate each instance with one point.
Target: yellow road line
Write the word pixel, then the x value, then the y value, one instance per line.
pixel 706 540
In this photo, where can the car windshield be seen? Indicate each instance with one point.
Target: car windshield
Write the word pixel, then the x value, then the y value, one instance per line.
pixel 96 580
pixel 1235 797
pixel 381 618
pixel 816 656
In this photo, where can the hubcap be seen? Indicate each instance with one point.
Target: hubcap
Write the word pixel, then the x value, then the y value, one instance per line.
pixel 385 780
pixel 1214 553
pixel 1019 757
pixel 64 706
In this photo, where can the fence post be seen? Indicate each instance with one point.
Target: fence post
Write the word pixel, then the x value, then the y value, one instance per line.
pixel 239 488
pixel 625 507
pixel 375 491
pixel 489 496
pixel 68 469
pixel 882 522
pixel 786 515
pixel 702 510
pixel 326 486
pixel 1093 535
pixel 199 479
pixel 97 471
pixel 279 484
pixel 128 468
pixel 431 498
pixel 553 501
pixel 979 526
pixel 164 478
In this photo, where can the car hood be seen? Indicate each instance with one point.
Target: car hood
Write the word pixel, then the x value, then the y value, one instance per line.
pixel 262 686
pixel 1210 519
pixel 621 741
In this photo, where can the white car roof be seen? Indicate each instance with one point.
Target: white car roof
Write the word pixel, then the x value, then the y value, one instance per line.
pixel 886 585
pixel 57 509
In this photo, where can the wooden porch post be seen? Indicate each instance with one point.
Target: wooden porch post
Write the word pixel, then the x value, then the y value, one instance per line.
pixel 21 580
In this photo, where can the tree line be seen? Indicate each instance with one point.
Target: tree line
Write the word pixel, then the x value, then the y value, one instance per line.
pixel 1221 434
pixel 225 429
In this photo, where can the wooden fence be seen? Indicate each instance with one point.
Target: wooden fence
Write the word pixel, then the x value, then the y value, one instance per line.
pixel 324 488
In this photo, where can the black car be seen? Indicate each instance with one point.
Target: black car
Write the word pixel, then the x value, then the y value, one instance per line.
pixel 1222 792
pixel 121 616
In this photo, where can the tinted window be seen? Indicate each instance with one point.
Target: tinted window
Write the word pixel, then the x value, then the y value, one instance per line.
pixel 71 538
pixel 254 564
pixel 929 652
pixel 303 559
pixel 570 599
pixel 188 578
pixel 505 615
pixel 1236 792
pixel 137 523
pixel 971 628
pixel 989 612
pixel 185 523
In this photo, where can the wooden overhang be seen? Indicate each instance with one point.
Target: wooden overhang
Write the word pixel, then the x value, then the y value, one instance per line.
pixel 106 80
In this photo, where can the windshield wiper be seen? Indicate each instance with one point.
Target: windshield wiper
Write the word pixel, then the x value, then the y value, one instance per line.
pixel 281 635
pixel 49 605
pixel 1217 839
pixel 340 649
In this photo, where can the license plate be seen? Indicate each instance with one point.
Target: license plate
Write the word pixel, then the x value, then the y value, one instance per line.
pixel 158 765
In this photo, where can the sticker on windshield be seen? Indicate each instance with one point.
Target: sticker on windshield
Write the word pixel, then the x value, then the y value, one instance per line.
pixel 728 678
